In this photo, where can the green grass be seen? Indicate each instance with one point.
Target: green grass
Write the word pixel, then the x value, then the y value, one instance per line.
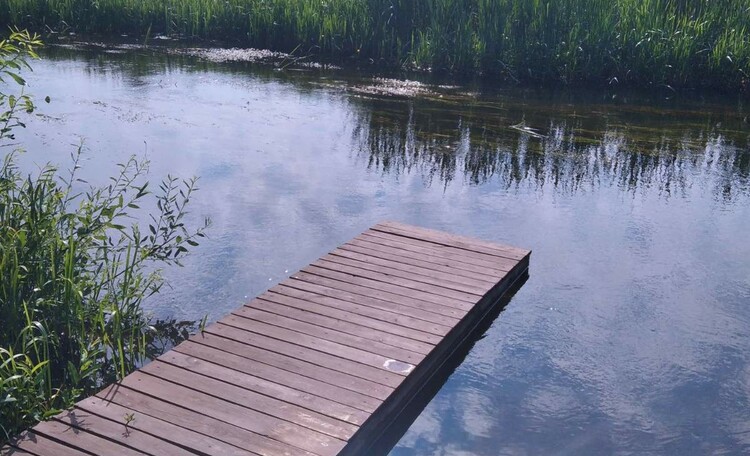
pixel 74 280
pixel 75 268
pixel 679 43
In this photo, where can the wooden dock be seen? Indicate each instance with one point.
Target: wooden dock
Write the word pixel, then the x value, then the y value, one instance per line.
pixel 320 364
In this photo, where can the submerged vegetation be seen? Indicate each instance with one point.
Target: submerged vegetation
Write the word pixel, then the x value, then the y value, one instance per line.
pixel 75 269
pixel 676 43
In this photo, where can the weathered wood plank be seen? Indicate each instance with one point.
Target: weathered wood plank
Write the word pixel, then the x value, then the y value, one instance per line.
pixel 197 421
pixel 458 253
pixel 292 364
pixel 255 312
pixel 414 307
pixel 11 451
pixel 37 444
pixel 381 286
pixel 364 441
pixel 294 380
pixel 495 265
pixel 199 443
pixel 455 240
pixel 82 440
pixel 335 366
pixel 281 411
pixel 421 283
pixel 344 322
pixel 306 353
pixel 433 277
pixel 419 264
pixel 315 404
pixel 424 330
pixel 119 431
pixel 275 429
pixel 319 365
pixel 396 250
pixel 340 350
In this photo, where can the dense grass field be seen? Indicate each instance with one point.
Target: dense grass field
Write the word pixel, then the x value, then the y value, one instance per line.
pixel 680 43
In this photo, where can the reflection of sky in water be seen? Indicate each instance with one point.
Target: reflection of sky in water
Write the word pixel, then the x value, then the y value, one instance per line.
pixel 631 335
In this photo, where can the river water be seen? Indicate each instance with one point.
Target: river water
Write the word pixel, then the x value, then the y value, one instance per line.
pixel 632 333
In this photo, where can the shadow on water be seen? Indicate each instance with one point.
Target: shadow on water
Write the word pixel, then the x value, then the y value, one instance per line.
pixel 416 405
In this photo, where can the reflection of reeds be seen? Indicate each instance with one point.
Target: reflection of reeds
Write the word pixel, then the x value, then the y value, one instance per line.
pixel 648 42
pixel 572 155
pixel 587 139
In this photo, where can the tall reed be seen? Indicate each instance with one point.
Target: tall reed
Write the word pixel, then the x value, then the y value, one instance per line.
pixel 645 42
pixel 74 268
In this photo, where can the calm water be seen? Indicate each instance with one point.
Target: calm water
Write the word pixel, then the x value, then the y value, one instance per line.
pixel 632 334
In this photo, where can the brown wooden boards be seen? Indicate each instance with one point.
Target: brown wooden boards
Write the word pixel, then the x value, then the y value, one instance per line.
pixel 320 364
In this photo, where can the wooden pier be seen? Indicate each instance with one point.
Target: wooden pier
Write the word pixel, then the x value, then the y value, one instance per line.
pixel 321 364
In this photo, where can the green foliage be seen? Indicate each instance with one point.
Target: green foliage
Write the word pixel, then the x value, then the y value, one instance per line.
pixel 75 269
pixel 644 42
pixel 14 51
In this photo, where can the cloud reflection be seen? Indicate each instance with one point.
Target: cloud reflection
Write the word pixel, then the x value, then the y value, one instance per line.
pixel 630 336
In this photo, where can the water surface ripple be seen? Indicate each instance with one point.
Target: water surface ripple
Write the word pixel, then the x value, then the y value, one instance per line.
pixel 631 335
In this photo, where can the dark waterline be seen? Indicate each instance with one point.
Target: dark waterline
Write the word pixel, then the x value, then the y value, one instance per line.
pixel 631 334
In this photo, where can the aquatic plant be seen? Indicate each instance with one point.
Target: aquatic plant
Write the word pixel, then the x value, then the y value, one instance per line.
pixel 75 268
pixel 676 43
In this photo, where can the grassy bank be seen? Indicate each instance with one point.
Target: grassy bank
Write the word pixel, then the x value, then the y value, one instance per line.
pixel 680 43
pixel 75 268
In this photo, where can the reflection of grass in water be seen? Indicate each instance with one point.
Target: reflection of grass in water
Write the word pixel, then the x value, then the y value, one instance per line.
pixel 646 42
pixel 427 141
pixel 569 152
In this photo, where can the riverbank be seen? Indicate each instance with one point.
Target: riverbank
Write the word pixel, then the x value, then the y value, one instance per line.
pixel 634 322
pixel 657 43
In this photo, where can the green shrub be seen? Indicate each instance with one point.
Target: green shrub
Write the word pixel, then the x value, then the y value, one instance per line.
pixel 681 43
pixel 75 269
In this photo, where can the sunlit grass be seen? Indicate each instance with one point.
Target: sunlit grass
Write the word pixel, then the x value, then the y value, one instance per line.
pixel 646 42
pixel 75 268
